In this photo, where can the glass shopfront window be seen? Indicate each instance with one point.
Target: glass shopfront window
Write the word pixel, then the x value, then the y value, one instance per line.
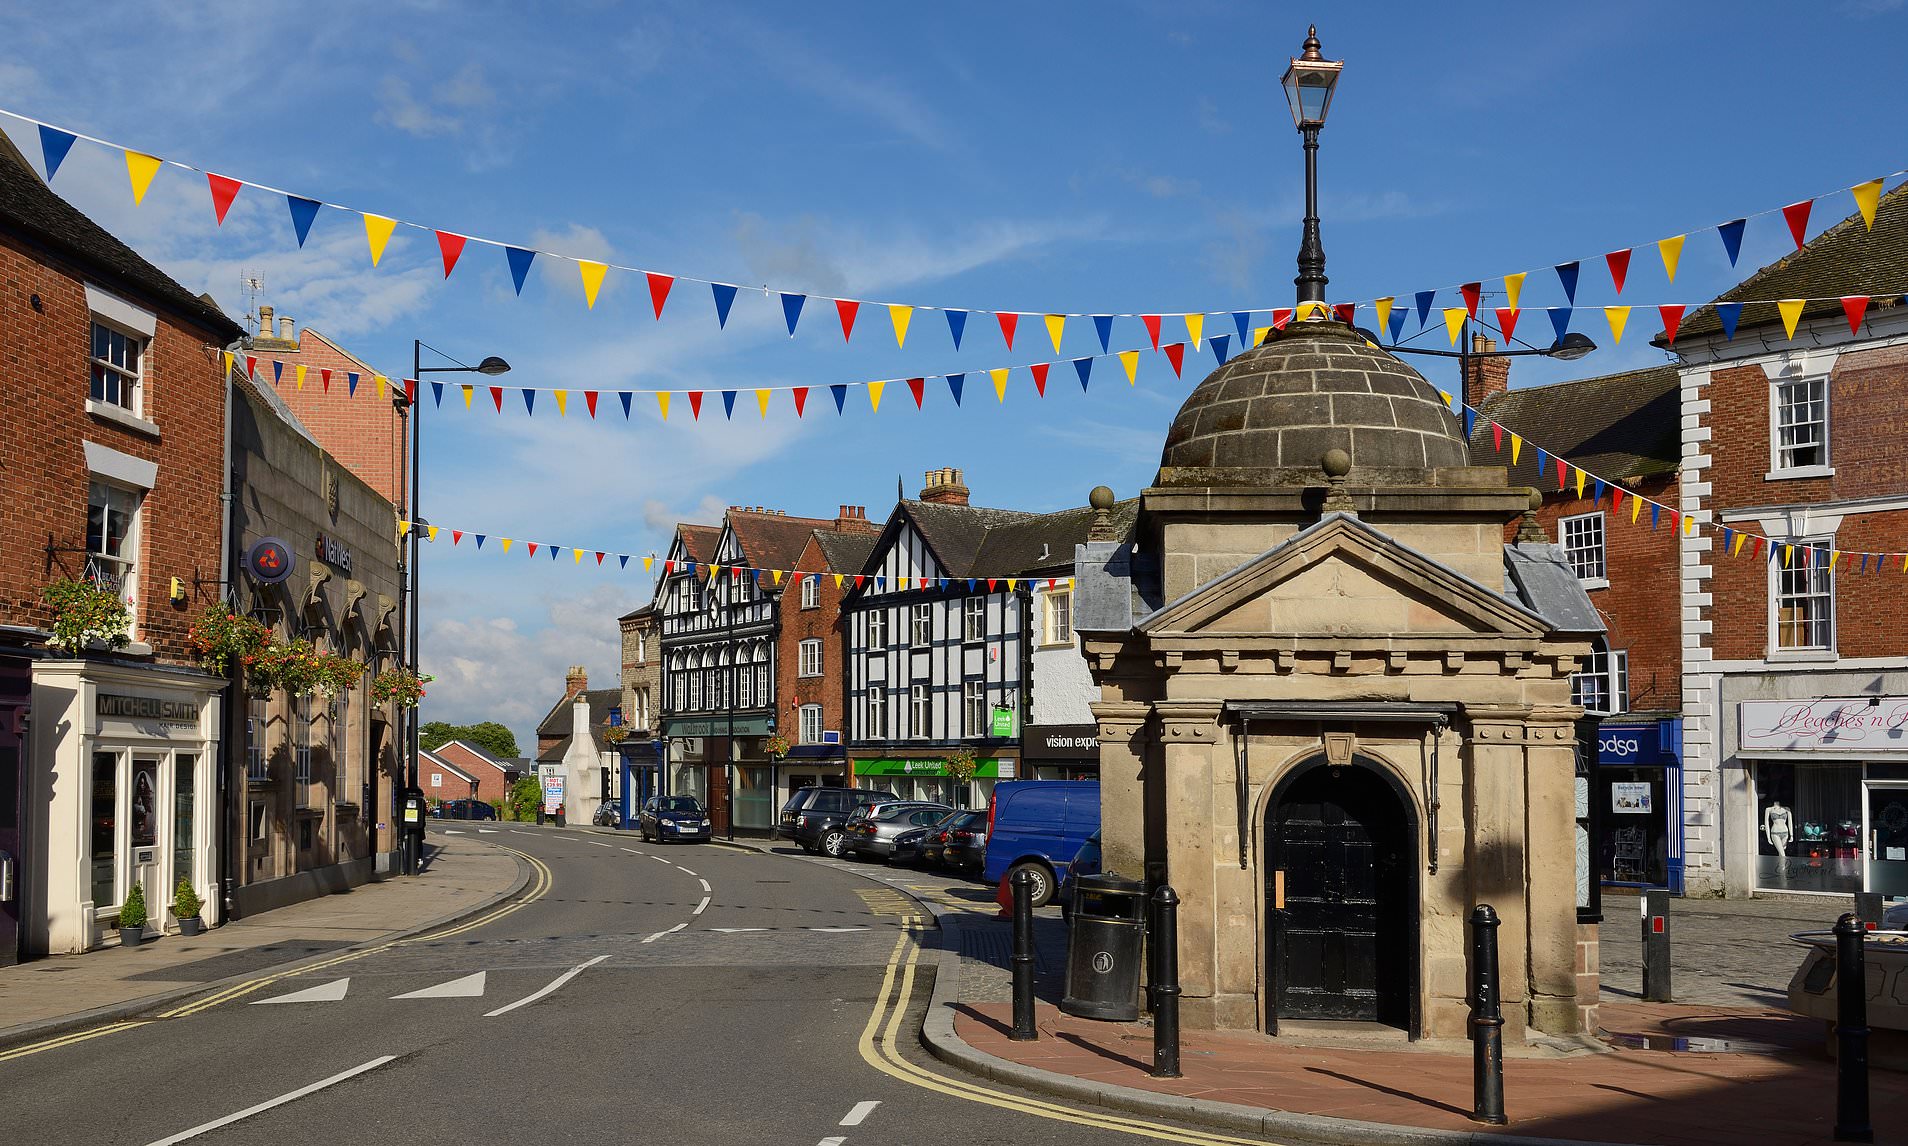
pixel 183 820
pixel 1635 806
pixel 1888 839
pixel 754 797
pixel 689 780
pixel 1809 826
pixel 105 828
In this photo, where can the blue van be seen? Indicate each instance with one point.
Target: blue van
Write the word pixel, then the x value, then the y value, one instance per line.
pixel 1038 825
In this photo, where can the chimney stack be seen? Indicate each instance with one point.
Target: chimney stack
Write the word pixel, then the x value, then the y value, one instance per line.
pixel 853 519
pixel 1489 376
pixel 944 487
pixel 264 322
pixel 575 682
pixel 285 331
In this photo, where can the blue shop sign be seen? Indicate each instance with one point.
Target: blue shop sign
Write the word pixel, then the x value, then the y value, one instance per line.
pixel 1650 744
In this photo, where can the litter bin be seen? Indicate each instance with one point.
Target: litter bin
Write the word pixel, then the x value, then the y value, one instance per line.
pixel 1108 931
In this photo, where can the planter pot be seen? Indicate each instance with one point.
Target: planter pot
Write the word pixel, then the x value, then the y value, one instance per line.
pixel 131 936
pixel 191 925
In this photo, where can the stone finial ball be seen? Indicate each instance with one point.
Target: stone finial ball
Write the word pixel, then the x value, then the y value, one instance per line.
pixel 1536 499
pixel 1336 463
pixel 1101 498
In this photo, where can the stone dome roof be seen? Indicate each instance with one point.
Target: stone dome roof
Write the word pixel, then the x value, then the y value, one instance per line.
pixel 1268 416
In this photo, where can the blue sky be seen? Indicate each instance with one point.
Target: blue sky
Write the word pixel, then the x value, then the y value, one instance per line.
pixel 1131 157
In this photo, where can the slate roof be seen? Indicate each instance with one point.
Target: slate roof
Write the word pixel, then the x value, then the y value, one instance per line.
pixel 1539 575
pixel 845 552
pixel 699 541
pixel 772 540
pixel 558 721
pixel 955 532
pixel 1846 259
pixel 1618 426
pixel 1017 546
pixel 638 611
pixel 29 207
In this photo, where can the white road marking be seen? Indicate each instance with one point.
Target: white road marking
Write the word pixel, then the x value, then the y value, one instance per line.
pixel 521 832
pixel 837 1140
pixel 468 987
pixel 659 859
pixel 553 985
pixel 634 852
pixel 700 906
pixel 660 934
pixel 704 883
pixel 486 831
pixel 281 1100
pixel 594 844
pixel 451 831
pixel 860 1113
pixel 323 993
pixel 684 870
pixel 735 930
pixel 834 930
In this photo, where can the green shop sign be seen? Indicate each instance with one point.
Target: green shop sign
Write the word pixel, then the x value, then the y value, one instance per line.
pixel 985 768
pixel 1003 726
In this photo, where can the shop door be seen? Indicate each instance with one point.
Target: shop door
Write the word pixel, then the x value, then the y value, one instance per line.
pixel 1344 915
pixel 1886 835
pixel 12 843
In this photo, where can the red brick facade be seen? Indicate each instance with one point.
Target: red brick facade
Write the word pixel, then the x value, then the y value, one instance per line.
pixel 364 433
pixel 820 623
pixel 492 784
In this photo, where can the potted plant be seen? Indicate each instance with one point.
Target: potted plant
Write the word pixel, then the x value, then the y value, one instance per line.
pixel 400 686
pixel 186 907
pixel 83 612
pixel 338 674
pixel 132 917
pixel 220 637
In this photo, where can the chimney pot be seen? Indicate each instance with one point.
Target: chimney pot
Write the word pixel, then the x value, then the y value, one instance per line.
pixel 264 322
pixel 285 327
pixel 944 487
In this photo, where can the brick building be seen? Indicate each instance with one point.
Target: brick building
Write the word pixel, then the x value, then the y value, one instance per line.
pixel 808 687
pixel 363 431
pixel 642 706
pixel 491 776
pixel 111 441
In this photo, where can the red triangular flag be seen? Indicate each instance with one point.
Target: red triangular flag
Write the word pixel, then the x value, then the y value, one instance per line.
pixel 1152 329
pixel 801 399
pixel 991 582
pixel 1619 263
pixel 1008 320
pixel 659 289
pixel 1497 437
pixel 1798 216
pixel 1280 317
pixel 533 547
pixel 847 308
pixel 1471 291
pixel 1672 318
pixel 496 395
pixel 1616 498
pixel 695 405
pixel 251 365
pixel 1040 376
pixel 451 246
pixel 410 391
pixel 1507 321
pixel 668 568
pixel 1854 306
pixel 1175 354
pixel 1561 468
pixel 589 399
pixel 1757 551
pixel 599 557
pixel 1345 312
pixel 919 387
pixel 223 192
pixel 325 376
pixel 456 536
pixel 858 580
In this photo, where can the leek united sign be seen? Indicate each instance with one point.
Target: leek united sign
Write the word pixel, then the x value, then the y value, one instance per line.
pixel 1862 726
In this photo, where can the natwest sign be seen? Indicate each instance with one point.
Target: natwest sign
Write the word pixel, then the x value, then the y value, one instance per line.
pixel 1826 725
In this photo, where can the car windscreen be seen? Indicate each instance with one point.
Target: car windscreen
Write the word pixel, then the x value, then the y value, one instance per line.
pixel 679 804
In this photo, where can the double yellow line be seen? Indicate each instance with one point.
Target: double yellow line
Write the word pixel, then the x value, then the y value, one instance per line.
pixel 879 1049
pixel 540 886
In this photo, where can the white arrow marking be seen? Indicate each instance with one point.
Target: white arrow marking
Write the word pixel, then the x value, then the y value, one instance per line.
pixel 281 1100
pixel 452 831
pixel 834 930
pixel 487 831
pixel 553 985
pixel 860 1113
pixel 468 987
pixel 323 993
pixel 734 930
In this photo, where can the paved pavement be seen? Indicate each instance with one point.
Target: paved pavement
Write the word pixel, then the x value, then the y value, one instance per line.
pixel 1723 952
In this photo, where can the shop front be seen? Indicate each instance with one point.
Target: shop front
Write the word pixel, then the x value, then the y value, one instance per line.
pixel 1639 787
pixel 810 766
pixel 724 764
pixel 1062 751
pixel 926 778
pixel 125 757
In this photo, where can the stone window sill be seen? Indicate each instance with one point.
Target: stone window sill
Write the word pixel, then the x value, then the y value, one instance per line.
pixel 1594 582
pixel 1803 656
pixel 1800 472
pixel 106 411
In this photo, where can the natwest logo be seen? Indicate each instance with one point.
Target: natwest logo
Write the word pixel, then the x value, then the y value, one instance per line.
pixel 332 552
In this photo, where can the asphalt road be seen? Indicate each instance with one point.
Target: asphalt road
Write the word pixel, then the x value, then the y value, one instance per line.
pixel 645 993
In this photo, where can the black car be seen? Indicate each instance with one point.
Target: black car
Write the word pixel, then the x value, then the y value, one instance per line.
pixel 962 842
pixel 907 846
pixel 609 813
pixel 466 810
pixel 666 818
pixel 1086 861
pixel 813 817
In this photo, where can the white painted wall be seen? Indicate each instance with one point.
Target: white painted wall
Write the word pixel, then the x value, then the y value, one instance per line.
pixel 1062 686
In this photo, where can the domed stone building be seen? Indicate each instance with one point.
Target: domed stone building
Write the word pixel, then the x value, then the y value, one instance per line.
pixel 1336 708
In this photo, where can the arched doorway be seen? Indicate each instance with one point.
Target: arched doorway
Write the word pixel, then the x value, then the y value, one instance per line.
pixel 1342 899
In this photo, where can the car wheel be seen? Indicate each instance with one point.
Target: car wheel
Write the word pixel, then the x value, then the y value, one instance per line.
pixel 1042 880
pixel 833 844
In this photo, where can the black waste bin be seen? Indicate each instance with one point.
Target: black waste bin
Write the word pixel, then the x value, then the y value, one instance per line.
pixel 1103 948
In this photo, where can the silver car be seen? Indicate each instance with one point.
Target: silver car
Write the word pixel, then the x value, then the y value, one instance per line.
pixel 872 829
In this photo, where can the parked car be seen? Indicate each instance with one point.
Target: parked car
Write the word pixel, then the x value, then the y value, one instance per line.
pixel 907 846
pixel 465 810
pixel 609 813
pixel 1038 826
pixel 960 843
pixel 1086 861
pixel 813 817
pixel 666 818
pixel 872 829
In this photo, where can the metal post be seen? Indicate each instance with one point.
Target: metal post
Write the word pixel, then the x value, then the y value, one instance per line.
pixel 410 714
pixel 1656 947
pixel 1487 1021
pixel 1311 278
pixel 1166 991
pixel 1868 907
pixel 1023 958
pixel 1851 1032
pixel 1464 366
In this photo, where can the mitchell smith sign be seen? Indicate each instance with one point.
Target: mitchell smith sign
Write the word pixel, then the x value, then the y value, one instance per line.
pixel 1825 725
pixel 147 708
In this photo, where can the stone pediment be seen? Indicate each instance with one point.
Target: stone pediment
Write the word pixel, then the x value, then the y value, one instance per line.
pixel 1342 577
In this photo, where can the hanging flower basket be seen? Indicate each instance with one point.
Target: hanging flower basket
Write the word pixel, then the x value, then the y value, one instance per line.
pixel 221 638
pixel 777 746
pixel 339 674
pixel 294 666
pixel 961 765
pixel 83 612
pixel 615 734
pixel 400 686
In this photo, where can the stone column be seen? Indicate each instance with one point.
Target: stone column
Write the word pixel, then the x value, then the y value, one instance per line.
pixel 1495 854
pixel 1550 829
pixel 1124 752
pixel 1195 826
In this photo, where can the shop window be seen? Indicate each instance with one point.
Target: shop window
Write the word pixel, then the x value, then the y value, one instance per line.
pixel 810 663
pixel 974 706
pixel 1808 826
pixel 337 717
pixel 1582 540
pixel 811 724
pixel 105 829
pixel 116 368
pixel 1604 684
pixel 877 712
pixel 922 633
pixel 185 808
pixel 1804 618
pixel 878 629
pixel 1801 424
pixel 920 720
pixel 112 549
pixel 1058 617
pixel 258 822
pixel 974 619
pixel 143 821
pixel 811 592
pixel 301 750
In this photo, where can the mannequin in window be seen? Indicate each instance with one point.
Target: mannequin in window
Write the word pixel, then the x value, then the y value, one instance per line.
pixel 1778 827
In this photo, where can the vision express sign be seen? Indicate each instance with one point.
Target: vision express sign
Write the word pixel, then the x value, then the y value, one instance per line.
pixel 1061 741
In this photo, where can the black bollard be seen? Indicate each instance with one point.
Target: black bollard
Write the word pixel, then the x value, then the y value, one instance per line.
pixel 1023 958
pixel 1656 947
pixel 1851 1032
pixel 1166 987
pixel 1487 1021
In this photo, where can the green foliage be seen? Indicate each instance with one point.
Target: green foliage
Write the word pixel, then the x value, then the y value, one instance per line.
pixel 525 795
pixel 488 735
pixel 185 901
pixel 961 765
pixel 220 637
pixel 298 668
pixel 82 612
pixel 400 686
pixel 777 746
pixel 132 913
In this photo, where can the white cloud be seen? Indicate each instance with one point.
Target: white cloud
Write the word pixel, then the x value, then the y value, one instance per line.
pixel 659 516
pixel 398 107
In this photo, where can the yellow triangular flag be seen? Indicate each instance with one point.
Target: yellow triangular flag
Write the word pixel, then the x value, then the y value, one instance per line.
pixel 298 375
pixel 1513 289
pixel 1056 325
pixel 563 402
pixel 662 400
pixel 1791 309
pixel 592 279
pixel 1672 251
pixel 1454 321
pixel 469 390
pixel 1867 195
pixel 506 543
pixel 1259 333
pixel 1069 584
pixel 1383 307
pixel 404 528
pixel 713 570
pixel 900 315
pixel 1788 555
pixel 1517 447
pixel 1305 309
pixel 1580 476
pixel 647 562
pixel 1000 383
pixel 1130 360
pixel 579 555
pixel 379 379
pixel 762 401
pixel 837 580
pixel 1194 324
pixel 874 394
pixel 1448 397
pixel 225 356
pixel 140 168
pixel 1689 525
pixel 777 575
pixel 432 531
pixel 377 232
pixel 1618 317
pixel 1012 583
pixel 1737 548
pixel 1636 507
pixel 1835 557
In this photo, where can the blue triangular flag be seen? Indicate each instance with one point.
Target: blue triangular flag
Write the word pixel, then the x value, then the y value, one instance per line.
pixel 724 299
pixel 278 371
pixel 622 560
pixel 1731 233
pixel 954 382
pixel 1103 326
pixel 519 264
pixel 529 401
pixel 956 323
pixel 437 394
pixel 1241 319
pixel 1729 535
pixel 971 585
pixel 1424 298
pixel 1728 313
pixel 1656 511
pixel 1470 421
pixel 624 395
pixel 1543 461
pixel 553 551
pixel 1083 367
pixel 54 144
pixel 840 391
pixel 1567 275
pixel 881 582
pixel 1559 320
pixel 1597 493
pixel 351 385
pixel 1398 320
pixel 480 540
pixel 303 211
pixel 1220 344
pixel 728 404
pixel 792 309
pixel 1863 569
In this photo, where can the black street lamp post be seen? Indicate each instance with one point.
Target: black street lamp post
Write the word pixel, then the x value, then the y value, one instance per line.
pixel 1309 84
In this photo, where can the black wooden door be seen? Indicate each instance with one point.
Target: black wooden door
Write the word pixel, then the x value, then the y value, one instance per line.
pixel 1344 939
pixel 12 839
